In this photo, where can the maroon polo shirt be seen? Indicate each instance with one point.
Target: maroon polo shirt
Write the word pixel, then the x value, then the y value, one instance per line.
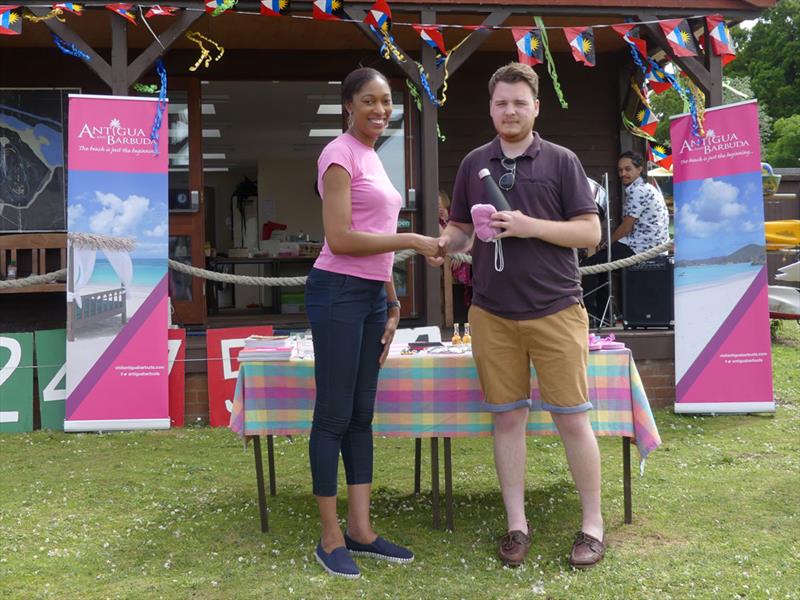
pixel 539 278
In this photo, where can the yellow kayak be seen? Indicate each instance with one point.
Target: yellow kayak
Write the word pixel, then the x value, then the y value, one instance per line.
pixel 782 234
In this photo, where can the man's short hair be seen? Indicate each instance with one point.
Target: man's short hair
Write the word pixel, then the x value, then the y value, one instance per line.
pixel 515 72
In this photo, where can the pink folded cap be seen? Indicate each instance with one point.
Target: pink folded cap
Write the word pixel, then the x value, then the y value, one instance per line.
pixel 481 218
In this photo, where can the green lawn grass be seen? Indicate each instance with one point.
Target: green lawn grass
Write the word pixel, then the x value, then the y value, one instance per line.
pixel 174 515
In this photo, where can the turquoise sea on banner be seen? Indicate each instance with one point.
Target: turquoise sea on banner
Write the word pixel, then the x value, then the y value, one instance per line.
pixel 704 274
pixel 146 272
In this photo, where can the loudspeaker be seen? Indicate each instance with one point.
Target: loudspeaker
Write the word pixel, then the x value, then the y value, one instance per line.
pixel 647 294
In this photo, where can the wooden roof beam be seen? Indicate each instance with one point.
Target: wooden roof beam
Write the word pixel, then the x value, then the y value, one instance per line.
pixel 96 62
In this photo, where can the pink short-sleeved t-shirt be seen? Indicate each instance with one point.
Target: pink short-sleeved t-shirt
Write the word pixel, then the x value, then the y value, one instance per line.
pixel 375 206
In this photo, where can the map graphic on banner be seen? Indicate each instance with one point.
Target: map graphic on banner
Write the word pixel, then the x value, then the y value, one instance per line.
pixel 117 374
pixel 722 341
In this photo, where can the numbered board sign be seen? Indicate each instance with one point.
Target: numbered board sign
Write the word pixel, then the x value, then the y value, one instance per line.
pixel 16 382
pixel 51 364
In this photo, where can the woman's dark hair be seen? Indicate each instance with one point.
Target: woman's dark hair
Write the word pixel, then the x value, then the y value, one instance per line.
pixel 636 159
pixel 357 79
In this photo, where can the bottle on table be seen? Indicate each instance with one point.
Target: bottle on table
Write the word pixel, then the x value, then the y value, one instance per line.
pixel 466 339
pixel 12 270
pixel 456 341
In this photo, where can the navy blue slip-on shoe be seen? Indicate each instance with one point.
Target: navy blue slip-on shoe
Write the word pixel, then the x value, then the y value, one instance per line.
pixel 380 549
pixel 338 562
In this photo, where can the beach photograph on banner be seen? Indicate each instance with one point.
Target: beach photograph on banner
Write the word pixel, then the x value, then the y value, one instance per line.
pixel 110 283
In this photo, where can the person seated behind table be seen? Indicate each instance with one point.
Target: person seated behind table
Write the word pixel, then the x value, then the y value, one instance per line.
pixel 645 224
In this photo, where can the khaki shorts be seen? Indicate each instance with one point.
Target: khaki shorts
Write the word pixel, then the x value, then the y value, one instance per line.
pixel 558 347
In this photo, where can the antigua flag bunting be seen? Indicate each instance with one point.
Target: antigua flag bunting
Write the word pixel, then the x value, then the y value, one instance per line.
pixel 679 35
pixel 581 42
pixel 656 79
pixel 10 21
pixel 123 10
pixel 328 10
pixel 432 35
pixel 646 120
pixel 721 40
pixel 274 8
pixel 660 155
pixel 529 45
pixel 211 5
pixel 160 11
pixel 630 33
pixel 379 16
pixel 75 9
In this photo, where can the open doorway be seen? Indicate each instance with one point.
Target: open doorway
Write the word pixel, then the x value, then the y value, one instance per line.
pixel 261 141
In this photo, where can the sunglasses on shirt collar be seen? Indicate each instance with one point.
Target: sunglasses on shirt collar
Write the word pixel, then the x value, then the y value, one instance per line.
pixel 507 179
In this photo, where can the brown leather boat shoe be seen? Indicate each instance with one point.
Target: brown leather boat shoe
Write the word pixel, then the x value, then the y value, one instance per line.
pixel 587 551
pixel 514 546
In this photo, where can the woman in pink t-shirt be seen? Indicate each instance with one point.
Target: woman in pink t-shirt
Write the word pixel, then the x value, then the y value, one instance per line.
pixel 353 308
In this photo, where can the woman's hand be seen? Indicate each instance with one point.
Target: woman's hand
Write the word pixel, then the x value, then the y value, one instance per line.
pixel 428 246
pixel 388 332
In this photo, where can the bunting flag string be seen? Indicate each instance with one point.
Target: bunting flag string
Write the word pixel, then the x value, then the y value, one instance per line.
pixel 656 78
pixel 10 21
pixel 432 35
pixel 551 65
pixel 721 41
pixel 635 130
pixel 124 11
pixel 530 49
pixel 75 9
pixel 581 42
pixel 660 154
pixel 636 44
pixel 679 36
pixel 275 8
pixel 160 11
pixel 329 10
pixel 646 119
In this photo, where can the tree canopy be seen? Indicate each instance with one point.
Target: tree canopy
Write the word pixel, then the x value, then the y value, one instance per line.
pixel 769 55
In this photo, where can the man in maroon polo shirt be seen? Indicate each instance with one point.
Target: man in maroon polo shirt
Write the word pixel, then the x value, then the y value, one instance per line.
pixel 527 308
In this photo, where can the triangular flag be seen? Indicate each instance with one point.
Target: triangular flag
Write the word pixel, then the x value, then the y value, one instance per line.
pixel 679 35
pixel 647 120
pixel 721 40
pixel 656 79
pixel 581 42
pixel 274 8
pixel 75 9
pixel 211 5
pixel 379 16
pixel 123 10
pixel 160 11
pixel 630 33
pixel 328 10
pixel 10 20
pixel 660 155
pixel 529 45
pixel 432 35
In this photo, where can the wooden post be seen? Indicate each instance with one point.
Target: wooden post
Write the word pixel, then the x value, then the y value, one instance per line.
pixel 119 55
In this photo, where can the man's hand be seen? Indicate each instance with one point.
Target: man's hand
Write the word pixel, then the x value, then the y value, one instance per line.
pixel 513 224
pixel 428 246
pixel 436 261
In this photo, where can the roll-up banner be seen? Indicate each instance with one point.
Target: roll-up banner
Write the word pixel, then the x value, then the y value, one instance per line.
pixel 117 305
pixel 723 361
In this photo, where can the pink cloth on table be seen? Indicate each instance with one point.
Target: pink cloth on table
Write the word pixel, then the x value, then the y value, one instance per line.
pixel 481 218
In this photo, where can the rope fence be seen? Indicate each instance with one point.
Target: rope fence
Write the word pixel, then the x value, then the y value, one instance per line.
pixel 400 257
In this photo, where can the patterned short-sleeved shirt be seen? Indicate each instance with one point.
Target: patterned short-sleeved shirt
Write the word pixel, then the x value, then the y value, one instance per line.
pixel 646 204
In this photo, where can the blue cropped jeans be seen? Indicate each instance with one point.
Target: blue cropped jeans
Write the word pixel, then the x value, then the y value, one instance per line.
pixel 348 316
